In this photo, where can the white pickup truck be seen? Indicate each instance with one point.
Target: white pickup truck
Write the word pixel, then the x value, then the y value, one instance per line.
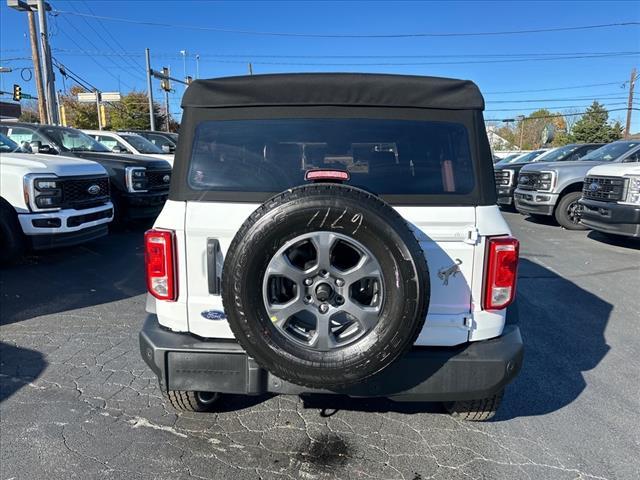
pixel 611 198
pixel 49 201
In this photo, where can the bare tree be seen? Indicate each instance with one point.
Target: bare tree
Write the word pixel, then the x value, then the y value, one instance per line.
pixel 570 118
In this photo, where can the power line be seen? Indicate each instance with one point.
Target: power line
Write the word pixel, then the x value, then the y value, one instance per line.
pixel 245 56
pixel 586 96
pixel 93 57
pixel 547 107
pixel 122 55
pixel 356 64
pixel 564 114
pixel 348 35
pixel 461 62
pixel 556 88
pixel 14 59
pixel 67 72
pixel 615 96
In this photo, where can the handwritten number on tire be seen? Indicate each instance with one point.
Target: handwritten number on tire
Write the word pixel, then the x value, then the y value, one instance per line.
pixel 355 221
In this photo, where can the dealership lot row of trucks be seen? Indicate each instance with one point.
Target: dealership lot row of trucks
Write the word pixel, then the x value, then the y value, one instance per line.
pixel 581 186
pixel 60 187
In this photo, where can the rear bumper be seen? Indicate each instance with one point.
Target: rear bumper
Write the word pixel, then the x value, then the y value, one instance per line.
pixel 534 202
pixel 471 371
pixel 611 217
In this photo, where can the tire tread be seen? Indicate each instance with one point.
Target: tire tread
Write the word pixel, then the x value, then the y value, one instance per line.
pixel 479 410
pixel 184 401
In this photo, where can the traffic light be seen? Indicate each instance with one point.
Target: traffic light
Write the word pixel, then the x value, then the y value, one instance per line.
pixel 165 84
pixel 17 92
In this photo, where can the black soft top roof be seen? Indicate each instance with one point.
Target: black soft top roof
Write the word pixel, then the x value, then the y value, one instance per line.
pixel 357 89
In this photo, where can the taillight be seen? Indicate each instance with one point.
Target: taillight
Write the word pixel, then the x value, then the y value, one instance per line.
pixel 501 272
pixel 159 260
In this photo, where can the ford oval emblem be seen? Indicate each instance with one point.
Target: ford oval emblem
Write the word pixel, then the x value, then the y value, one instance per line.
pixel 213 315
pixel 524 179
pixel 166 178
pixel 93 190
pixel 594 187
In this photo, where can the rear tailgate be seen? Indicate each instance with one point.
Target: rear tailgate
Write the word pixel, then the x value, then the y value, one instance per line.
pixel 443 233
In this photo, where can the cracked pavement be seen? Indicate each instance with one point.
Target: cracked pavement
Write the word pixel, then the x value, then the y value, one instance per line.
pixel 77 401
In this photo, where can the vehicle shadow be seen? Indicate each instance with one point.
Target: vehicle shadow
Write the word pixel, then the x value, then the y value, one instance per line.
pixel 563 327
pixel 617 241
pixel 108 269
pixel 542 220
pixel 18 367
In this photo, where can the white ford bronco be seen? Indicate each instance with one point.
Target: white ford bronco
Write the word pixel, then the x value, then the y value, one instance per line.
pixel 49 201
pixel 337 234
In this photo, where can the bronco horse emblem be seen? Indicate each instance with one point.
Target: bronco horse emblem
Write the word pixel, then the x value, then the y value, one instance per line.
pixel 452 271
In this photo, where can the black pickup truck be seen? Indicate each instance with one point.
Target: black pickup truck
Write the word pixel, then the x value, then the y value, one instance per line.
pixel 139 184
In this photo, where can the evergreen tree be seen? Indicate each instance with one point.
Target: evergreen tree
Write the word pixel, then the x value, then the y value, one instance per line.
pixel 594 126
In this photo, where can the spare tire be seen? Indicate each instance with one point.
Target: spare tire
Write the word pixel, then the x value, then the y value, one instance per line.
pixel 325 285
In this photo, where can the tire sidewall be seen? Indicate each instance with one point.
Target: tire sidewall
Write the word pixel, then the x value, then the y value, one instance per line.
pixel 382 234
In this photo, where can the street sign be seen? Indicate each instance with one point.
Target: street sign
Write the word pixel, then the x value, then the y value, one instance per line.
pixel 90 97
pixel 111 96
pixel 87 97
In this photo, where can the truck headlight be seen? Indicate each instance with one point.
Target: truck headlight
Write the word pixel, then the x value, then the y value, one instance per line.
pixel 546 181
pixel 42 193
pixel 633 190
pixel 136 179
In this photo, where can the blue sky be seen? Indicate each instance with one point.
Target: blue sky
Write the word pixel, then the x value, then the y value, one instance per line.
pixel 110 54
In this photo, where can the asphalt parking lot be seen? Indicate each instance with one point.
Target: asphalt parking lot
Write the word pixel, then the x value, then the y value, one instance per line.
pixel 77 401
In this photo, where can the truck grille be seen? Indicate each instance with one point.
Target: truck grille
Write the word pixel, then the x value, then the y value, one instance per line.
pixel 158 180
pixel 529 180
pixel 87 192
pixel 606 189
pixel 503 178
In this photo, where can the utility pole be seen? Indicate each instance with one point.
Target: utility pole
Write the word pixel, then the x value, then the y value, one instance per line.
pixel 197 66
pixel 35 55
pixel 98 99
pixel 250 69
pixel 166 108
pixel 521 118
pixel 49 81
pixel 61 112
pixel 152 121
pixel 184 54
pixel 632 83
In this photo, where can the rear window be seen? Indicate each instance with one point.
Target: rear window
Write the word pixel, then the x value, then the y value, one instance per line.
pixel 387 157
